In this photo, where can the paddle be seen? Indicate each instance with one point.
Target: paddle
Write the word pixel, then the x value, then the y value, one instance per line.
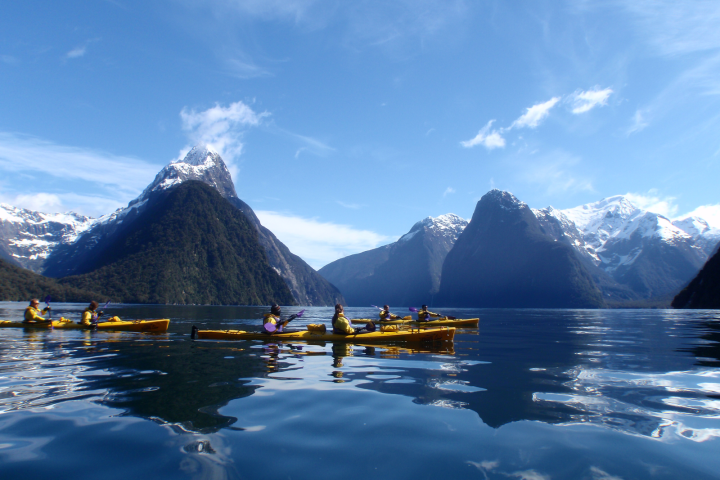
pixel 413 309
pixel 101 312
pixel 272 328
pixel 47 304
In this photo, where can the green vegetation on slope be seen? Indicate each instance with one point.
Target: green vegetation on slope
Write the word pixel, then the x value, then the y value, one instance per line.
pixel 704 290
pixel 191 246
pixel 19 285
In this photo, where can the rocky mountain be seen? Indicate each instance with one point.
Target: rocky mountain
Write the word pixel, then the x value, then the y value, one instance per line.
pixel 27 237
pixel 204 165
pixel 189 246
pixel 639 254
pixel 20 285
pixel 403 273
pixel 704 290
pixel 505 258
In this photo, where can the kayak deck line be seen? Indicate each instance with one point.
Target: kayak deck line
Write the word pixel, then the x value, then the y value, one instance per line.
pixel 155 325
pixel 441 334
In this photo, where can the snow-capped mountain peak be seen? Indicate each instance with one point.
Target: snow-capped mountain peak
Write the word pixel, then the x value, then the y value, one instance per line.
pixel 28 237
pixel 448 225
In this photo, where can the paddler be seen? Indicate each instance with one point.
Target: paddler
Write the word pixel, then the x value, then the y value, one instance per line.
pixel 90 315
pixel 342 325
pixel 385 315
pixel 272 318
pixel 424 315
pixel 32 312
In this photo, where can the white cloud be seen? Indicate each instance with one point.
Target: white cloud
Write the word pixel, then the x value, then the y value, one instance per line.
pixel 352 206
pixel 709 213
pixel 39 202
pixel 638 123
pixel 448 191
pixel 556 172
pixel 77 52
pixel 585 101
pixel 31 155
pixel 485 137
pixel 654 203
pixel 535 114
pixel 221 128
pixel 319 243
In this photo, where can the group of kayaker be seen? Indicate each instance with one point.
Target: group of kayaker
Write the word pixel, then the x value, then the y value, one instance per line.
pixel 341 325
pixel 89 318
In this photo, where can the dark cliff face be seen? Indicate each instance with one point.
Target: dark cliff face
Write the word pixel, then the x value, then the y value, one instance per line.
pixel 704 290
pixel 505 259
pixel 190 246
pixel 404 273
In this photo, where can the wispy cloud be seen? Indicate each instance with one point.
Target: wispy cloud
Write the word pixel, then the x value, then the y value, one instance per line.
pixel 89 205
pixel 448 191
pixel 709 213
pixel 9 59
pixel 24 153
pixel 638 122
pixel 535 114
pixel 557 171
pixel 585 101
pixel 654 202
pixel 310 144
pixel 221 128
pixel 352 206
pixel 319 243
pixel 489 139
pixel 77 52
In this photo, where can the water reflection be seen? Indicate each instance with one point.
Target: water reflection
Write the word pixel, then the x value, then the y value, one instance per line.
pixel 648 373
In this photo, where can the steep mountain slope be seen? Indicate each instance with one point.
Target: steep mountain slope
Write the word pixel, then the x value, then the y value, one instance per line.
pixel 403 273
pixel 642 254
pixel 27 237
pixel 189 246
pixel 505 259
pixel 205 165
pixel 20 285
pixel 704 290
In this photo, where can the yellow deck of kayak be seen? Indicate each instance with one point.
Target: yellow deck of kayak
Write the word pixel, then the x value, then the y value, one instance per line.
pixel 160 325
pixel 444 322
pixel 442 334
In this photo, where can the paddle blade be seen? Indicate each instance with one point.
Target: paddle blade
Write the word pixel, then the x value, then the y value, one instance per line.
pixel 413 309
pixel 106 304
pixel 270 327
pixel 299 314
pixel 47 300
pixel 376 307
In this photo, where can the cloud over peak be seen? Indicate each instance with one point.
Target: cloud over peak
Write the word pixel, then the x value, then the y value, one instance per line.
pixel 487 138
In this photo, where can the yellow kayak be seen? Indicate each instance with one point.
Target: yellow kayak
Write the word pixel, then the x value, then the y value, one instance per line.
pixel 445 322
pixel 442 334
pixel 160 325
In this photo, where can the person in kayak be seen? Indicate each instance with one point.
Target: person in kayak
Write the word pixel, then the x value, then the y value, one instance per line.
pixel 90 315
pixel 32 313
pixel 343 326
pixel 385 314
pixel 272 318
pixel 424 315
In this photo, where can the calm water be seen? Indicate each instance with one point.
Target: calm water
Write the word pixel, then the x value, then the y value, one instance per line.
pixel 531 394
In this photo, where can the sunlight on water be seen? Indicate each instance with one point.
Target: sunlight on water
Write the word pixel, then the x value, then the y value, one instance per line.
pixel 530 394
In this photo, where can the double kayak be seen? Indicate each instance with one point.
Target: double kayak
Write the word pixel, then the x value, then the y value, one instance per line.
pixel 446 322
pixel 441 334
pixel 159 325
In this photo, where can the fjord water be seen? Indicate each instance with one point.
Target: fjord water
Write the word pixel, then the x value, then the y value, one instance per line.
pixel 531 394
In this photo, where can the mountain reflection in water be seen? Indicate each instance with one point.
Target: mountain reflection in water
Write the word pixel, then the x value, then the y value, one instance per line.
pixel 643 374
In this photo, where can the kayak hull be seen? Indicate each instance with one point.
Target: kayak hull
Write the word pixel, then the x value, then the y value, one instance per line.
pixel 442 334
pixel 159 325
pixel 443 322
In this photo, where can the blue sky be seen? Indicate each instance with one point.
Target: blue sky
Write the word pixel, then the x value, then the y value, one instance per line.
pixel 344 123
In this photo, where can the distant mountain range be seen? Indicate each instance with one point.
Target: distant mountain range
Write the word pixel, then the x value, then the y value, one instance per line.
pixel 79 246
pixel 406 272
pixel 632 256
